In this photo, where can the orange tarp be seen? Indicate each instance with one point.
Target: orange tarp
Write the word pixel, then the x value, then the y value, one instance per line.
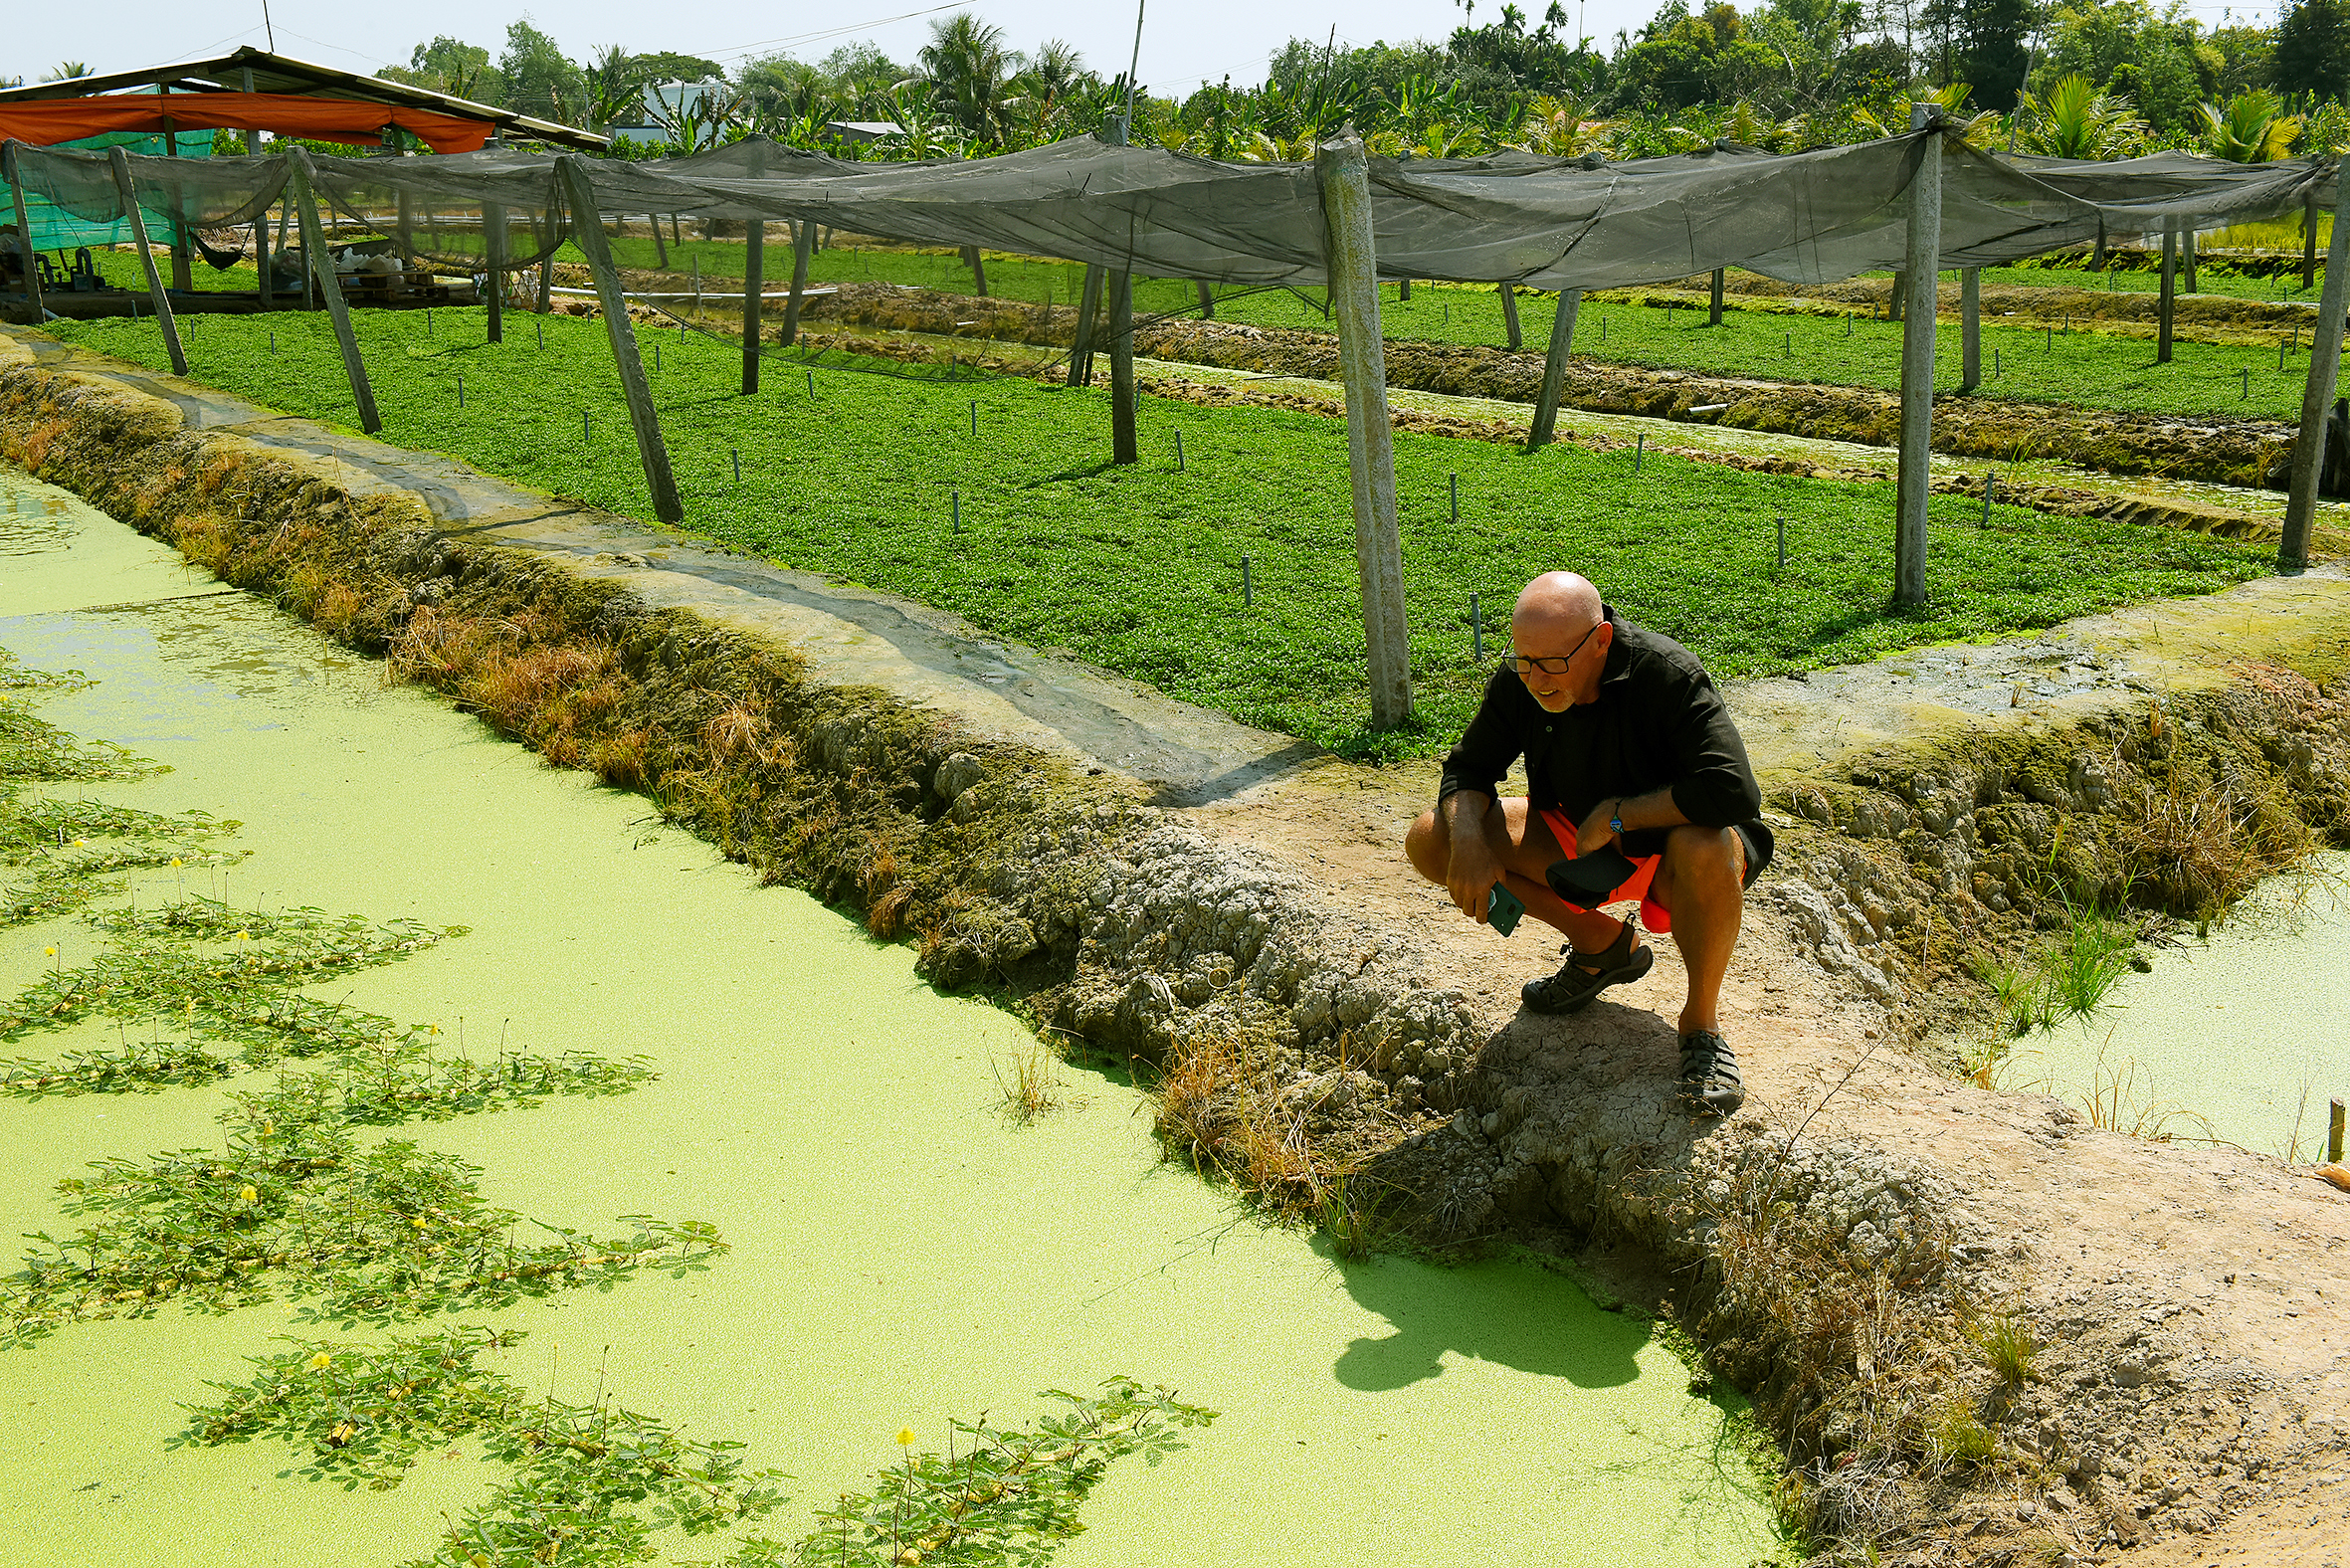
pixel 44 122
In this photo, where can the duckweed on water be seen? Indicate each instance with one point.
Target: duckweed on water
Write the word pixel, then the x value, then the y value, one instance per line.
pixel 592 1483
pixel 290 1204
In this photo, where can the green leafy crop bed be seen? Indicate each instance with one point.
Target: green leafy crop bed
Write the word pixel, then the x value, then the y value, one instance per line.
pixel 1140 568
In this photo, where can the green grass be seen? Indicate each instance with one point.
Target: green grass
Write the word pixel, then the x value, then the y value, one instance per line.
pixel 1138 569
pixel 2024 364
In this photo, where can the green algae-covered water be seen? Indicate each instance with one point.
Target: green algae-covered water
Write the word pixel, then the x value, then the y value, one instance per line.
pixel 2243 1036
pixel 900 1252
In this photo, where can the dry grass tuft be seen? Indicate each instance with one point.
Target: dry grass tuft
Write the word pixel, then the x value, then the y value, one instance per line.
pixel 1218 1113
pixel 1032 1089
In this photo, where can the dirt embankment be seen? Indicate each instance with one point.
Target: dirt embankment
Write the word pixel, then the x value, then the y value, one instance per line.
pixel 2227 452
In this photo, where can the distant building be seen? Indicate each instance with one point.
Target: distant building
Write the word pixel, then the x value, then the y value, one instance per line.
pixel 666 103
pixel 861 132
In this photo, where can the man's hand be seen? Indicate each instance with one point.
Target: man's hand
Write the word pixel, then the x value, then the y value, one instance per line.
pixel 1472 869
pixel 1594 833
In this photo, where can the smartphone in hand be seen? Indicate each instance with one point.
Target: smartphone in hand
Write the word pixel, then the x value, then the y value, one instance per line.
pixel 1504 909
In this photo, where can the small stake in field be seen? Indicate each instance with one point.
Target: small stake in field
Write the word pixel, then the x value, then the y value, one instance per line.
pixel 541 326
pixel 1847 325
pixel 1477 629
pixel 2049 343
pixel 1639 445
pixel 1989 484
pixel 1996 371
pixel 1247 585
pixel 2281 353
pixel 810 386
pixel 657 357
pixel 1179 452
pixel 1455 480
pixel 2247 375
pixel 1791 345
pixel 736 454
pixel 583 425
pixel 461 389
pixel 956 524
pixel 428 321
pixel 273 340
pixel 975 417
pixel 1781 541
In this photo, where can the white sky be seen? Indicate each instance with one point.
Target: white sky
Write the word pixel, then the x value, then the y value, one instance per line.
pixel 1184 42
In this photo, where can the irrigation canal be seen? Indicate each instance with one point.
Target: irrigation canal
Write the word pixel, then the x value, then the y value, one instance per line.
pixel 901 1252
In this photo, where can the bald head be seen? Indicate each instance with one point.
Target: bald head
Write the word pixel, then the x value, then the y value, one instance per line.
pixel 1555 604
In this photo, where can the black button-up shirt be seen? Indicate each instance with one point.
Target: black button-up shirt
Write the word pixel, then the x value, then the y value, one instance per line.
pixel 1657 723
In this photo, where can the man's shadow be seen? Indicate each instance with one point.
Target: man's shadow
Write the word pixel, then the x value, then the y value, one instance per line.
pixel 1511 1313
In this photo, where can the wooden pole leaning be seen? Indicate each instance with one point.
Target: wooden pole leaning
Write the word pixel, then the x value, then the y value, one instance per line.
pixel 1970 328
pixel 1123 445
pixel 754 289
pixel 121 164
pixel 587 231
pixel 2168 308
pixel 803 241
pixel 2317 397
pixel 1518 339
pixel 24 226
pixel 1081 353
pixel 493 256
pixel 1344 175
pixel 322 269
pixel 1924 262
pixel 1554 368
pixel 1713 310
pixel 978 266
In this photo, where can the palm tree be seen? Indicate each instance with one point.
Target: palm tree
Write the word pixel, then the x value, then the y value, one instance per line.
pixel 615 88
pixel 1561 127
pixel 972 72
pixel 2252 129
pixel 2077 121
pixel 66 71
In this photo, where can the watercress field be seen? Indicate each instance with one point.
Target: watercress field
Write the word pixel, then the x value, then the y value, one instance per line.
pixel 1140 568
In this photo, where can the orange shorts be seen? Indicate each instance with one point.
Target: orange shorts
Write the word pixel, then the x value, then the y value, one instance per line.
pixel 1653 916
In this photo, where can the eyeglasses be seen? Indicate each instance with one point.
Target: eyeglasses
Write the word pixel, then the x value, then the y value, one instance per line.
pixel 1552 666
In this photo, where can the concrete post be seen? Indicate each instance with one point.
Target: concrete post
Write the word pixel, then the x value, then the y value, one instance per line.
pixel 1713 310
pixel 2167 309
pixel 1081 353
pixel 1344 174
pixel 802 244
pixel 587 231
pixel 24 226
pixel 147 256
pixel 1554 368
pixel 1970 327
pixel 1924 262
pixel 1124 446
pixel 755 284
pixel 494 266
pixel 320 268
pixel 1518 339
pixel 2317 398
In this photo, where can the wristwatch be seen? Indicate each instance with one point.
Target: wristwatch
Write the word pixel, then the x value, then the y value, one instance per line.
pixel 1616 818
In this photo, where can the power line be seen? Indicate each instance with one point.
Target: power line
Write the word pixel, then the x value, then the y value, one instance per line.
pixel 829 32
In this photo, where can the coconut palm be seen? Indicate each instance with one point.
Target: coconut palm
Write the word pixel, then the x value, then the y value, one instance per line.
pixel 2252 129
pixel 972 75
pixel 615 88
pixel 2076 120
pixel 1561 127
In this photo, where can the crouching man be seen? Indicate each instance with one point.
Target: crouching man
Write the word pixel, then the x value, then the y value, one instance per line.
pixel 1628 748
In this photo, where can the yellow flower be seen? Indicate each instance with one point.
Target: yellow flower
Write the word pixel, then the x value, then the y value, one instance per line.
pixel 906 1437
pixel 51 951
pixel 268 1128
pixel 248 1194
pixel 320 1361
pixel 80 842
pixel 435 1028
pixel 419 1223
pixel 175 859
pixel 241 936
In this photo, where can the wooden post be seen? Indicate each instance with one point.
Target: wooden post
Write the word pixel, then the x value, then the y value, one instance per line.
pixel 755 284
pixel 1554 368
pixel 2187 254
pixel 1122 441
pixel 587 228
pixel 1344 174
pixel 660 248
pixel 1713 314
pixel 1518 339
pixel 1208 302
pixel 2169 305
pixel 183 276
pixel 1898 298
pixel 2317 397
pixel 24 226
pixel 546 285
pixel 2098 259
pixel 2309 244
pixel 1403 291
pixel 147 256
pixel 1924 262
pixel 1970 327
pixel 971 259
pixel 493 256
pixel 321 265
pixel 1081 353
pixel 803 240
pixel 260 224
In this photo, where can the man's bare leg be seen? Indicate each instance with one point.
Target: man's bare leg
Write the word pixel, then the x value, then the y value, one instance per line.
pixel 1524 845
pixel 1700 884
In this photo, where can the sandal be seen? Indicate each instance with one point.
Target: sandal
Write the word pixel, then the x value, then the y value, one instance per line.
pixel 1709 1081
pixel 1585 975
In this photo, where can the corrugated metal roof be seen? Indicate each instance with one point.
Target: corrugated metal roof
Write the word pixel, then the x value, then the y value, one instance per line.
pixel 273 73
